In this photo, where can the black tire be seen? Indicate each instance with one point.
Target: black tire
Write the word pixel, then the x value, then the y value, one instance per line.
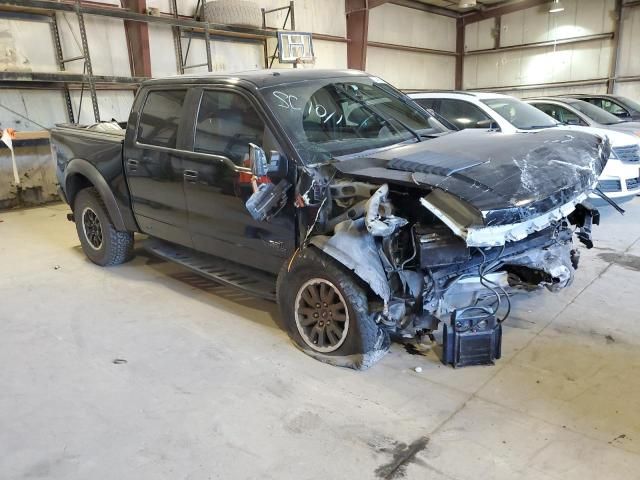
pixel 363 343
pixel 101 242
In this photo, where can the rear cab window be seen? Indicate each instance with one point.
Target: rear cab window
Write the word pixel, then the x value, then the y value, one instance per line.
pixel 160 118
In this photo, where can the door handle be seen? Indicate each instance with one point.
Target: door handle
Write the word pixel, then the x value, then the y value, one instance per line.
pixel 190 176
pixel 132 164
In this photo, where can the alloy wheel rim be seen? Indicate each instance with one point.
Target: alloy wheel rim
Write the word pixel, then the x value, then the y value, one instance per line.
pixel 92 228
pixel 321 315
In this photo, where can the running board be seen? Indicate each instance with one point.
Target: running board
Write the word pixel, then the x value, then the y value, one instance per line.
pixel 250 280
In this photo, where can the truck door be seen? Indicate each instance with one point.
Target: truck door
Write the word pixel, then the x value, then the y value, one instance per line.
pixel 218 183
pixel 153 166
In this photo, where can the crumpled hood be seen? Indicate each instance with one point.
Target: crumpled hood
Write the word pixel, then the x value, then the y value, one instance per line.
pixel 506 178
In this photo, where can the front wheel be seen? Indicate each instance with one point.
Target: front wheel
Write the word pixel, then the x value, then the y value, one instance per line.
pixel 325 312
pixel 101 242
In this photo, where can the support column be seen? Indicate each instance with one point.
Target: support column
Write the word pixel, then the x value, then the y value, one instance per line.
pixel 138 40
pixel 615 47
pixel 357 32
pixel 459 53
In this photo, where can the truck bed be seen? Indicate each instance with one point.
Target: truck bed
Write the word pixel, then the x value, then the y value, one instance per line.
pixel 93 152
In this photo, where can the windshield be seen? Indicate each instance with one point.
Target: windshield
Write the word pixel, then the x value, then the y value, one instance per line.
pixel 595 113
pixel 340 116
pixel 519 114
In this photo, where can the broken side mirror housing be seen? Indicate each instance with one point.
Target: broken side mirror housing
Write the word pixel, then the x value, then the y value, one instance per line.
pixel 257 160
pixel 275 167
pixel 278 165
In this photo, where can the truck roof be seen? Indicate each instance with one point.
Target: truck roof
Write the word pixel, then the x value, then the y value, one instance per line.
pixel 260 78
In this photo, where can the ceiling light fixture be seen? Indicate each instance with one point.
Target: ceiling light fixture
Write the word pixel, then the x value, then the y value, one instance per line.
pixel 467 3
pixel 556 7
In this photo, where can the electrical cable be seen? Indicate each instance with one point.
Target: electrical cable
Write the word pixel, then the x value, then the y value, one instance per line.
pixel 483 279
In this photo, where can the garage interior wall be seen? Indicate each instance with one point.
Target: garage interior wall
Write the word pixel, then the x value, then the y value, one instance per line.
pixel 573 67
pixel 511 71
pixel 30 109
pixel 408 27
pixel 109 56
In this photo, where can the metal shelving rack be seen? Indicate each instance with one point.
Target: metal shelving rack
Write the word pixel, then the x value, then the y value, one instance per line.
pixel 290 16
pixel 181 26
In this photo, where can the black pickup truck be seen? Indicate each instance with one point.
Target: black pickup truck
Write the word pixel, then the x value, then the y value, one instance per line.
pixel 339 197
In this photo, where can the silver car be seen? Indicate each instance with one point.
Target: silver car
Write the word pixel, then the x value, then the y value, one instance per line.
pixel 571 111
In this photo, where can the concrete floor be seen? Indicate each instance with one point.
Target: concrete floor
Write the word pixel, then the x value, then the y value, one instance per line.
pixel 145 371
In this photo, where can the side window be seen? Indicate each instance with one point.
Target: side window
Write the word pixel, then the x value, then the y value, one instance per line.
pixel 548 109
pixel 613 107
pixel 427 103
pixel 464 114
pixel 226 124
pixel 561 114
pixel 160 118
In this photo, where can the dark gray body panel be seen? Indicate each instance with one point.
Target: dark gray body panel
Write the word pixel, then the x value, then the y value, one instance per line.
pixel 506 178
pixel 98 158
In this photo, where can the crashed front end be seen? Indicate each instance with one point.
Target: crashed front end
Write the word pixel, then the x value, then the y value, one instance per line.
pixel 448 231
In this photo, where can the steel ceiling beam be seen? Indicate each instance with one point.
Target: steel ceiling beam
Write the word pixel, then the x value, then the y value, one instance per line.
pixel 66 78
pixel 547 43
pixel 416 5
pixel 502 9
pixel 377 3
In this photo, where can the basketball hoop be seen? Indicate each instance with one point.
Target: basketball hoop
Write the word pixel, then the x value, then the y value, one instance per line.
pixel 295 48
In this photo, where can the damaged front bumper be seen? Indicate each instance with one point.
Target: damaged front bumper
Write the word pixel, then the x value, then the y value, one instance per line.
pixel 454 266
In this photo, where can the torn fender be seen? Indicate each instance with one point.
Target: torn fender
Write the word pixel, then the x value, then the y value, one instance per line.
pixel 354 247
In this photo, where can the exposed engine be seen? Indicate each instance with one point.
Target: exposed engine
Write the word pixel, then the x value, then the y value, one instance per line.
pixel 419 270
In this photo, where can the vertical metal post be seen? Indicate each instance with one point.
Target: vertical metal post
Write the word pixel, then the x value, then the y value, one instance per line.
pixel 293 15
pixel 460 27
pixel 293 22
pixel 265 42
pixel 357 12
pixel 60 58
pixel 208 47
pixel 177 39
pixel 615 56
pixel 87 62
pixel 497 35
pixel 206 34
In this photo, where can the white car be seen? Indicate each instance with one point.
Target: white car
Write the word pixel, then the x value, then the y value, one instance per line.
pixel 620 180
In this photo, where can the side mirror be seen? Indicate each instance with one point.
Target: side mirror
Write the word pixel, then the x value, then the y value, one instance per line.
pixel 487 123
pixel 572 121
pixel 257 160
pixel 276 167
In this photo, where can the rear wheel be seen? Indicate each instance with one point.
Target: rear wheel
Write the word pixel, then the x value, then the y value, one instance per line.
pixel 101 242
pixel 325 311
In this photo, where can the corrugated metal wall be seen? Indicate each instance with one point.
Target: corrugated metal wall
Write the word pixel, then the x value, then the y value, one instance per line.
pixel 577 62
pixel 398 25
